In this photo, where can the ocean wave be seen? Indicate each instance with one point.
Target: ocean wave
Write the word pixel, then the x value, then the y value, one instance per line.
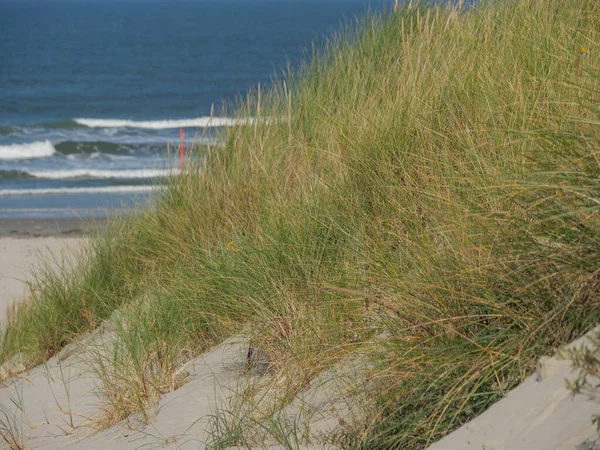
pixel 200 122
pixel 88 147
pixel 40 149
pixel 14 174
pixel 97 173
pixel 80 190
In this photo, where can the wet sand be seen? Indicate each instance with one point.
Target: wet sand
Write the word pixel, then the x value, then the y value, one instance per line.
pixel 34 228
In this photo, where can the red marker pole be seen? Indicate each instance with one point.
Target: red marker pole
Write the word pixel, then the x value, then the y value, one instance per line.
pixel 181 149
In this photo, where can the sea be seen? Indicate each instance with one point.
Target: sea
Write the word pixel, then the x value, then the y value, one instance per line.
pixel 93 93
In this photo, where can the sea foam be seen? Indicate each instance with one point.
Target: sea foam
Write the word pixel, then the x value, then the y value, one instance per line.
pixel 40 149
pixel 200 122
pixel 97 173
pixel 80 190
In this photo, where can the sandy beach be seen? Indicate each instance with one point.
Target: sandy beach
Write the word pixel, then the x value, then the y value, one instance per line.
pixel 24 243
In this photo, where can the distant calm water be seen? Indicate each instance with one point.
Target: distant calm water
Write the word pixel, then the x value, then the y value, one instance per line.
pixel 91 91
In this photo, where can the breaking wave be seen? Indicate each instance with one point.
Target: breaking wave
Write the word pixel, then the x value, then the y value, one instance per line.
pixel 80 190
pixel 200 122
pixel 40 149
pixel 97 173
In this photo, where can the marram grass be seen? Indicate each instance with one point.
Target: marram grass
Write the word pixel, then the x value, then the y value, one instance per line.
pixel 430 182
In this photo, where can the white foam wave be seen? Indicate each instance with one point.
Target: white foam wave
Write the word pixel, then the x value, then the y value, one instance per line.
pixel 80 190
pixel 96 173
pixel 200 122
pixel 40 149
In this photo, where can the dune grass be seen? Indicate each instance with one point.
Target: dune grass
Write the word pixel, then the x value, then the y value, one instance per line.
pixel 431 178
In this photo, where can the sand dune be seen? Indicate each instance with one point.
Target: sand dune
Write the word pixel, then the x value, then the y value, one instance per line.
pixel 56 405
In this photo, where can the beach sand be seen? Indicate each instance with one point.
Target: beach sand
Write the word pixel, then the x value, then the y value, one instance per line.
pixel 24 243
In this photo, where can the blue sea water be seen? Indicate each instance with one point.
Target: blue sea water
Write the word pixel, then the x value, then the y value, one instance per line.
pixel 91 91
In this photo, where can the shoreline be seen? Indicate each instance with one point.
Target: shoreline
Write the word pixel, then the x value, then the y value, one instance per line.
pixel 49 227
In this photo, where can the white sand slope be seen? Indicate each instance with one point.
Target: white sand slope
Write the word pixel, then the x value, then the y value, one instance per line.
pixel 56 405
pixel 50 405
pixel 539 414
pixel 183 419
pixel 183 415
